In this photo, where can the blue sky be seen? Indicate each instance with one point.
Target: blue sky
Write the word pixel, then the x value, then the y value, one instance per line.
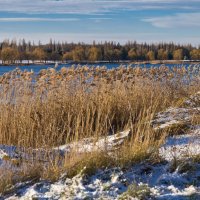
pixel 100 20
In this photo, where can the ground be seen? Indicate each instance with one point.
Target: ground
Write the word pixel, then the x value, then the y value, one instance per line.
pixel 176 176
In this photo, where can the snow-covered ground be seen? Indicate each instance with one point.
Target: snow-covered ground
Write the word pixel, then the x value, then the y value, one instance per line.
pixel 174 116
pixel 182 146
pixel 89 144
pixel 11 153
pixel 163 183
pixel 176 177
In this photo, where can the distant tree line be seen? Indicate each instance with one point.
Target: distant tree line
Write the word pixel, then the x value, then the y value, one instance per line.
pixel 13 51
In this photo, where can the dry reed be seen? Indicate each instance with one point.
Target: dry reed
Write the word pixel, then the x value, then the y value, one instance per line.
pixel 57 107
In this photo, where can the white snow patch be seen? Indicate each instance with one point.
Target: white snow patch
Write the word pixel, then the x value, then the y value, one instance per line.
pixel 174 116
pixel 182 146
pixel 88 145
pixel 112 183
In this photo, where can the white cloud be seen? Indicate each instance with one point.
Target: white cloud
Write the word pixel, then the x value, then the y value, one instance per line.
pixel 20 19
pixel 180 20
pixel 39 19
pixel 90 6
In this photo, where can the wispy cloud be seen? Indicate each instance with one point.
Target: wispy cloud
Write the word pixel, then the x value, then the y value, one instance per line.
pixel 101 20
pixel 90 6
pixel 20 19
pixel 175 21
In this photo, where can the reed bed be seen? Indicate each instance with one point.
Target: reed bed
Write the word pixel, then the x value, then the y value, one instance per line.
pixel 53 108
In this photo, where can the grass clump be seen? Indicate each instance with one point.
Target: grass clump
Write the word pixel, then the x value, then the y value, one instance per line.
pixel 141 192
pixel 177 129
pixel 195 119
pixel 196 158
pixel 9 178
pixel 87 164
pixel 182 165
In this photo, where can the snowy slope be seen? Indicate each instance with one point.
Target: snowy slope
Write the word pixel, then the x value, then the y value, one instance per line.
pixel 177 177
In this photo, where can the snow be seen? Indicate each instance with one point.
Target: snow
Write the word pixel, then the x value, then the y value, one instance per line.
pixel 9 153
pixel 176 177
pixel 194 100
pixel 181 146
pixel 112 183
pixel 174 116
pixel 2 155
pixel 88 145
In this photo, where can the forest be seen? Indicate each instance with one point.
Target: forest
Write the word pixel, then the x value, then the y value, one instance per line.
pixel 12 51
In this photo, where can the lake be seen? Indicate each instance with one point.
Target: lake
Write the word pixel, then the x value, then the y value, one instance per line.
pixel 37 68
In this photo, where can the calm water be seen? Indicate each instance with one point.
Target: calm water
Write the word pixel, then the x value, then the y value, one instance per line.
pixel 37 68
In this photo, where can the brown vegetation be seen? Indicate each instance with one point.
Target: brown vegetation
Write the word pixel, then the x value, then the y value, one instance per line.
pixel 13 52
pixel 57 107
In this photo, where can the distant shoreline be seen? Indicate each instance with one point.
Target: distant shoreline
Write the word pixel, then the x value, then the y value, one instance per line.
pixel 154 62
pixel 63 63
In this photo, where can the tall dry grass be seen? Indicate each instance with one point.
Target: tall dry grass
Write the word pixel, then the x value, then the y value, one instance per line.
pixel 54 108
pixel 61 107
